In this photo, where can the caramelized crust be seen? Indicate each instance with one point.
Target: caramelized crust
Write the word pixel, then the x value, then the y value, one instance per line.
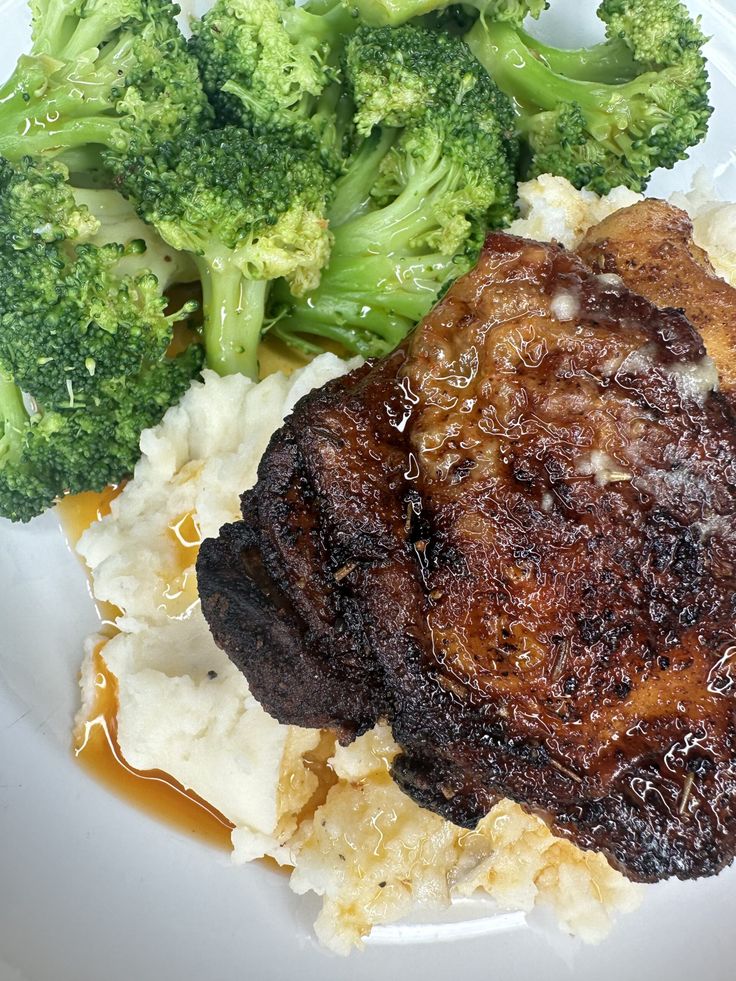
pixel 650 246
pixel 515 539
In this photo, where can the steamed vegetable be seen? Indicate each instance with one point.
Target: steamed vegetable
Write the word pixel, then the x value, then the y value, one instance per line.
pixel 319 172
pixel 104 75
pixel 602 116
pixel 615 113
pixel 435 169
pixel 249 207
pixel 86 341
pixel 271 62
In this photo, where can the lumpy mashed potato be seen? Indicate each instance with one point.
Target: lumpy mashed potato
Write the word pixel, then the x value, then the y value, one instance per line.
pixel 183 707
pixel 353 838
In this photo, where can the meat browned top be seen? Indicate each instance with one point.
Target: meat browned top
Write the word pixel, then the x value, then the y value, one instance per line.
pixel 515 540
pixel 650 246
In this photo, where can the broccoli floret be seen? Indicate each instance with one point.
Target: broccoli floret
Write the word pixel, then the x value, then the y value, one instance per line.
pixel 250 207
pixel 24 492
pixel 657 32
pixel 73 449
pixel 614 114
pixel 90 446
pixel 69 319
pixel 86 342
pixel 601 116
pixel 410 213
pixel 398 76
pixel 103 75
pixel 269 61
pixel 392 13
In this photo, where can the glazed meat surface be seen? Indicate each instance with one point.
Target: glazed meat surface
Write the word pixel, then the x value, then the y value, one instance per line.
pixel 515 540
pixel 650 246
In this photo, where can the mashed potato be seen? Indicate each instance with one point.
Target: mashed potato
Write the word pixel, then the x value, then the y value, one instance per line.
pixel 551 208
pixel 375 856
pixel 183 707
pixel 714 224
pixel 355 839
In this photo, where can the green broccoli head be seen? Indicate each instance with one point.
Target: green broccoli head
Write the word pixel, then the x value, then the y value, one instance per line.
pixel 602 117
pixel 657 32
pixel 162 97
pixel 560 144
pixel 247 194
pixel 102 77
pixel 24 492
pixel 68 319
pixel 445 107
pixel 88 447
pixel 270 62
pixel 397 74
pixel 250 206
pixel 73 449
pixel 409 215
pixel 245 46
pixel 37 206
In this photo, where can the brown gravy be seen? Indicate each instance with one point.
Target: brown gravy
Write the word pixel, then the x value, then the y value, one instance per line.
pixel 152 791
pixel 95 741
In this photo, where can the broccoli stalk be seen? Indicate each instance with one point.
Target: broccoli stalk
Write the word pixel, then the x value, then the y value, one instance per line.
pixel 611 61
pixel 102 75
pixel 409 215
pixel 68 29
pixel 392 13
pixel 249 210
pixel 595 133
pixel 234 311
pixel 388 264
pixel 14 418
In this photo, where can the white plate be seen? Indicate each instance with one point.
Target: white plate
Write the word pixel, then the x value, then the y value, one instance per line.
pixel 91 888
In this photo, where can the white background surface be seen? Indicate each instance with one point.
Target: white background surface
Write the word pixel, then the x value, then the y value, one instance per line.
pixel 90 888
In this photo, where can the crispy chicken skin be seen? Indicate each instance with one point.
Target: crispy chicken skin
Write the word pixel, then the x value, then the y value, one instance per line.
pixel 515 540
pixel 650 246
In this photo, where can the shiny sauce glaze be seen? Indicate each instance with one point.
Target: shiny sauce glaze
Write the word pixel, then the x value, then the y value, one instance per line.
pixel 517 535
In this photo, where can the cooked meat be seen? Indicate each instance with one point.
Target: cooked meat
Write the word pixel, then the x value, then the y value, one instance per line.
pixel 515 540
pixel 650 246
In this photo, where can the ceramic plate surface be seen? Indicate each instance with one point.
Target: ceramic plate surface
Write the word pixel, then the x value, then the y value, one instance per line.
pixel 92 889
